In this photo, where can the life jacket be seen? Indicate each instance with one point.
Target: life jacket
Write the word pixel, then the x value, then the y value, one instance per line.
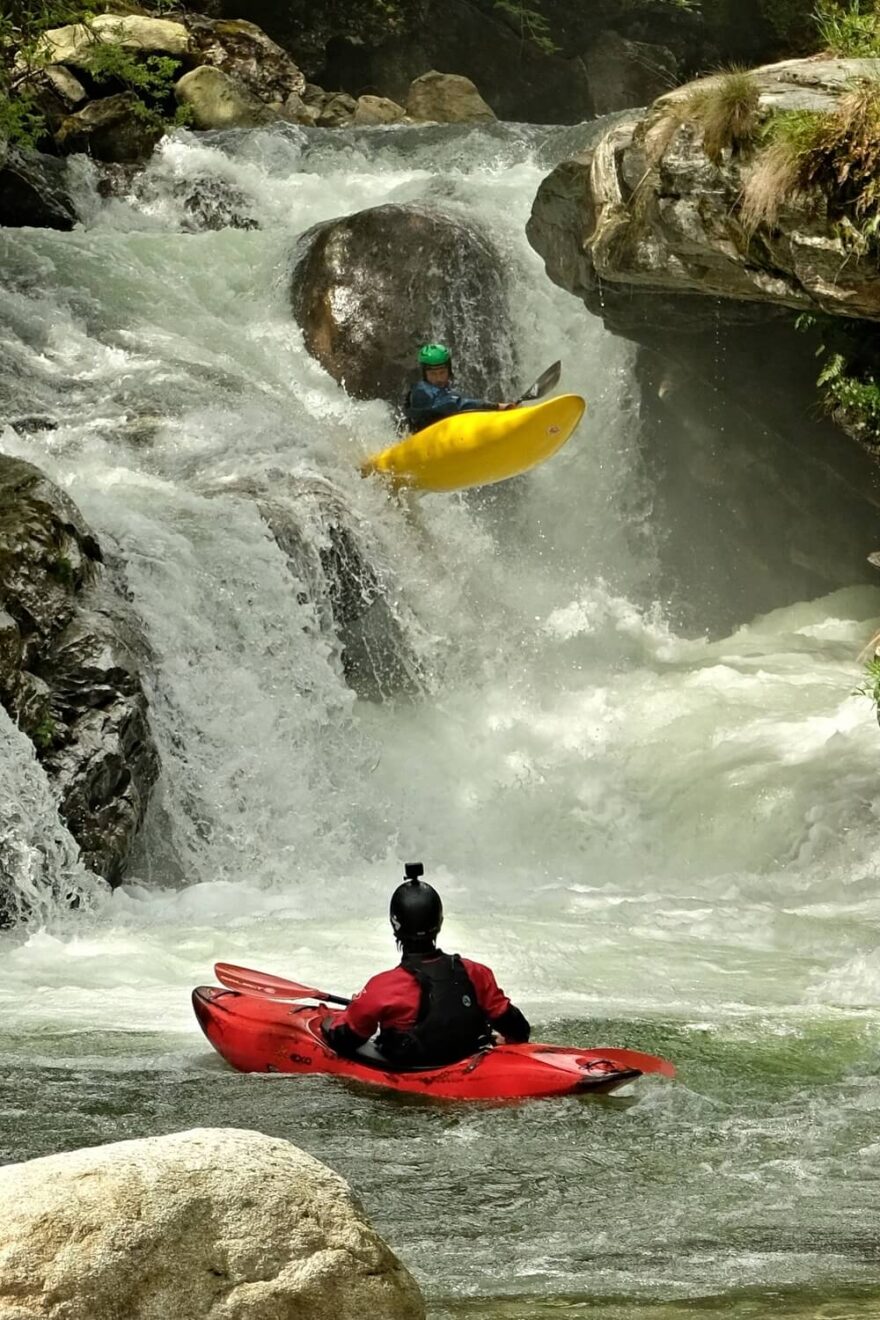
pixel 450 1025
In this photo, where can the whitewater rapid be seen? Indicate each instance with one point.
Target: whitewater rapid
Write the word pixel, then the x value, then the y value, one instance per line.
pixel 631 826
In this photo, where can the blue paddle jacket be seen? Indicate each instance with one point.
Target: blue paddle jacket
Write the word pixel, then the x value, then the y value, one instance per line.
pixel 426 404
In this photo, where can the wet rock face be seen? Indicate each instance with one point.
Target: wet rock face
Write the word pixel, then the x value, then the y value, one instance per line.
pixel 369 288
pixel 33 192
pixel 339 570
pixel 624 73
pixel 758 501
pixel 68 669
pixel 110 130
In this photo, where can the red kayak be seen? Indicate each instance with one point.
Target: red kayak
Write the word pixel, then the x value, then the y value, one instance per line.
pixel 259 1034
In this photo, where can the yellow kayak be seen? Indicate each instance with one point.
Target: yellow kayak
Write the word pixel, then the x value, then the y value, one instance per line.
pixel 479 448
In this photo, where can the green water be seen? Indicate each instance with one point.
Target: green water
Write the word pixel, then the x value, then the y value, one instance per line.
pixel 749 1187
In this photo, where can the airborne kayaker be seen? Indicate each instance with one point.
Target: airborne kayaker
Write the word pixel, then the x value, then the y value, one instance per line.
pixel 434 1008
pixel 433 397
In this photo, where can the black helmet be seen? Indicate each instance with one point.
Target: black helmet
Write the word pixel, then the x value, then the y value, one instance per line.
pixel 416 911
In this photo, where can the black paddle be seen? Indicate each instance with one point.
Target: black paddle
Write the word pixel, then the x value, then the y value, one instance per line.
pixel 545 382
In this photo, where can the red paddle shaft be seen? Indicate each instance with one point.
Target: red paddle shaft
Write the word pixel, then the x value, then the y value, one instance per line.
pixel 271 987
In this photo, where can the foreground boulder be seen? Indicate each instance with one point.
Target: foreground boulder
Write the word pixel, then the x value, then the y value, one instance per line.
pixel 370 287
pixel 446 98
pixel 69 673
pixel 212 1224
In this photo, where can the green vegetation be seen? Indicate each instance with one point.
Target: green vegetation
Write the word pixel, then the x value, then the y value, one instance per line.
pixel 848 388
pixel 532 26
pixel 151 79
pixel 837 152
pixel 62 569
pixel 111 67
pixel 43 736
pixel 853 400
pixel 849 29
pixel 870 685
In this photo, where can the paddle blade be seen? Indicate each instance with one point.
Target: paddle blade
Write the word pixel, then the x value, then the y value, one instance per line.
pixel 269 986
pixel 644 1063
pixel 547 381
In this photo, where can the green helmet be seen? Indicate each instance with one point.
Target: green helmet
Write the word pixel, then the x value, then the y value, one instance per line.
pixel 434 355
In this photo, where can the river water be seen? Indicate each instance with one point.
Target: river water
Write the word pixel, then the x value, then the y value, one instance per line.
pixel 658 841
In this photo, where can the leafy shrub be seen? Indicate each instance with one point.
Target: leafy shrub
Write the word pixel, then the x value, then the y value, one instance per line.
pixel 22 24
pixel 850 29
pixel 532 26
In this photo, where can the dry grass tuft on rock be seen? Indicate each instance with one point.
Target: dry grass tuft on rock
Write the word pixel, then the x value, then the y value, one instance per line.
pixel 780 173
pixel 837 153
pixel 725 109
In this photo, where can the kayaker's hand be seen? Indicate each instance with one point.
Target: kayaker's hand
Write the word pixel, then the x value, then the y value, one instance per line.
pixel 504 407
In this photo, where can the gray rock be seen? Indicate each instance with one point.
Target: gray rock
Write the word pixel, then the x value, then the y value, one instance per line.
pixel 296 111
pixel 685 235
pixel 355 597
pixel 369 288
pixel 217 100
pixel 65 85
pixel 378 110
pixel 624 73
pixel 211 1224
pixel 244 52
pixel 110 130
pixel 446 98
pixel 337 111
pixel 33 191
pixel 68 668
pixel 75 43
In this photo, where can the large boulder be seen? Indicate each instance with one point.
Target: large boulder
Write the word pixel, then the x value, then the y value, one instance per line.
pixel 244 52
pixel 650 209
pixel 446 98
pixel 33 191
pixel 211 1224
pixel 216 100
pixel 69 667
pixel 111 130
pixel 369 288
pixel 75 43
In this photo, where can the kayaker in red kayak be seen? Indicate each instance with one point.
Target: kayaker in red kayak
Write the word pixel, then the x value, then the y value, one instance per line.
pixel 434 1008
